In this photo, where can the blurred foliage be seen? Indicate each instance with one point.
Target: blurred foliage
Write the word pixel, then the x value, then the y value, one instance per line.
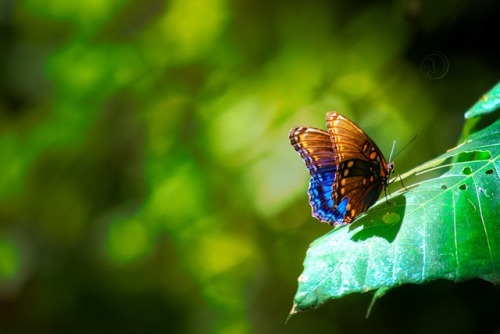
pixel 146 179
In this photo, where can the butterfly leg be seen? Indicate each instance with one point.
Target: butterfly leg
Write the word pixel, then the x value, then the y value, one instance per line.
pixel 386 190
pixel 401 180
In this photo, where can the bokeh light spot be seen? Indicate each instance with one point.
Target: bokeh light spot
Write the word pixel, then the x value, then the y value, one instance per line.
pixel 10 260
pixel 128 241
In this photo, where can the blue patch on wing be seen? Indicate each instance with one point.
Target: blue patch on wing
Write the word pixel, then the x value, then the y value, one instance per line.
pixel 320 196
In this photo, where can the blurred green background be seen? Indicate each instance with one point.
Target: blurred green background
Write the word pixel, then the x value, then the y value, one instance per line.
pixel 147 184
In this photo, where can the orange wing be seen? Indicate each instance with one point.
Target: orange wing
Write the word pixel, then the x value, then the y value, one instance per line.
pixel 362 171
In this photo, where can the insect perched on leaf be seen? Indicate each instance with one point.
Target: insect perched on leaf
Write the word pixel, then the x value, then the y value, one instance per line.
pixel 348 170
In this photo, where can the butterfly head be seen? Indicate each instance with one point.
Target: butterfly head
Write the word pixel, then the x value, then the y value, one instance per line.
pixel 390 169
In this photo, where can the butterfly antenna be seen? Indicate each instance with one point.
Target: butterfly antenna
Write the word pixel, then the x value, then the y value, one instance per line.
pixel 401 150
pixel 400 178
pixel 392 151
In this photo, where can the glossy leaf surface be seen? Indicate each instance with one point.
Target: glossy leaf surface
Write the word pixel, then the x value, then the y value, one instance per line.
pixel 487 104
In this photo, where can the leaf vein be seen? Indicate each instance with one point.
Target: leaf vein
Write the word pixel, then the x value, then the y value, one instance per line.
pixel 484 226
pixel 455 237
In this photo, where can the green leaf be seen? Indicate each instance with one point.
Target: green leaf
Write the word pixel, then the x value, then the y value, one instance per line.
pixel 444 227
pixel 487 104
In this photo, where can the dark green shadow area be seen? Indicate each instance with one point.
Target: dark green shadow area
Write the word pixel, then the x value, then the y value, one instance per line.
pixel 383 220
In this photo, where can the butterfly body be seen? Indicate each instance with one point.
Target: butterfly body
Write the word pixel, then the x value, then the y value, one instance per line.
pixel 348 170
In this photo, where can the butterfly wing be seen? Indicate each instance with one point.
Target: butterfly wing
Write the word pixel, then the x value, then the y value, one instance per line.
pixel 362 171
pixel 315 148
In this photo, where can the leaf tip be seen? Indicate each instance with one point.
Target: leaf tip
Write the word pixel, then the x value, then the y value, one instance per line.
pixel 293 311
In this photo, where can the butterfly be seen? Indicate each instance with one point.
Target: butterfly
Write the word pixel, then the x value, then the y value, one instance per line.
pixel 348 170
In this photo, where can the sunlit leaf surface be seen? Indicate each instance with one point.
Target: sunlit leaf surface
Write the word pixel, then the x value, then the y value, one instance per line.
pixel 487 104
